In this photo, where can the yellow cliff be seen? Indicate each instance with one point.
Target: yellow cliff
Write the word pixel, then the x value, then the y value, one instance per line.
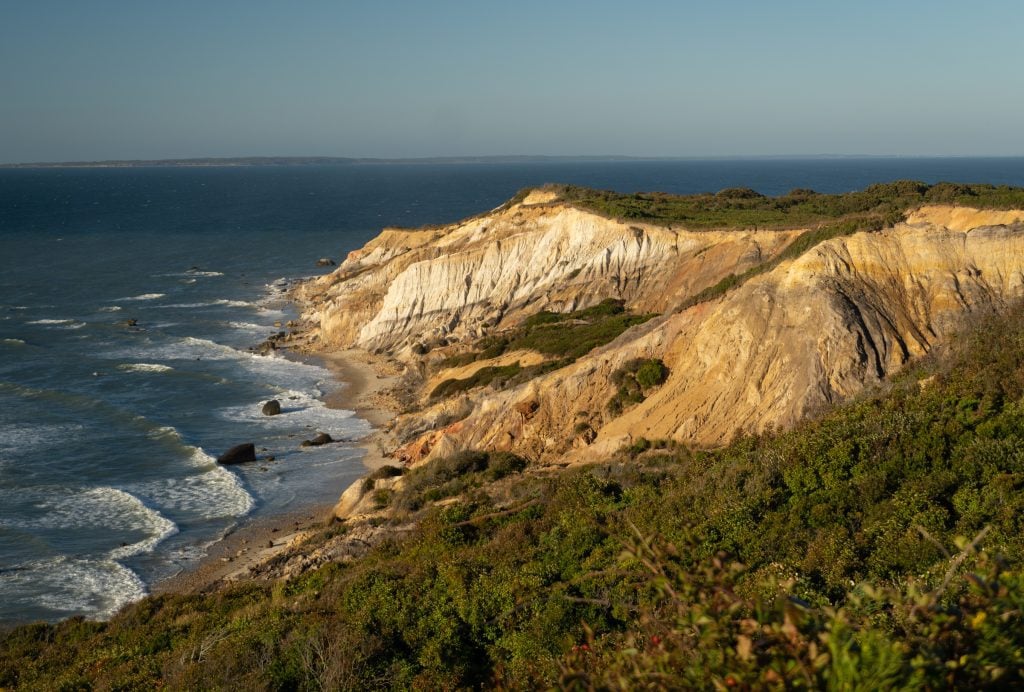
pixel 806 333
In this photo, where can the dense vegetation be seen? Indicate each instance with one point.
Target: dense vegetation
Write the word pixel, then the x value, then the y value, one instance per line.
pixel 743 208
pixel 879 546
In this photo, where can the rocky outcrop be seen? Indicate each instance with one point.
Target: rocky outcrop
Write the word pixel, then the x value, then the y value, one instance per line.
pixel 810 332
pixel 318 440
pixel 239 454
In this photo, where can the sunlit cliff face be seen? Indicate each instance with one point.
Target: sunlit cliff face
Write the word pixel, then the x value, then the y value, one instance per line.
pixel 812 331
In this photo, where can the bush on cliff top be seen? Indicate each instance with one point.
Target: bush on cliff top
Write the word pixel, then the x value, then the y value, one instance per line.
pixel 740 208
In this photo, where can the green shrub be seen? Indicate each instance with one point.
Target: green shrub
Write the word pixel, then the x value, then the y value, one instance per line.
pixel 501 464
pixel 633 379
pixel 651 374
pixel 386 471
pixel 382 498
pixel 453 475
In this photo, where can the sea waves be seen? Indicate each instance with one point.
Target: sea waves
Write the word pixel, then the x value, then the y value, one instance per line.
pixel 65 585
pixel 144 367
pixel 144 296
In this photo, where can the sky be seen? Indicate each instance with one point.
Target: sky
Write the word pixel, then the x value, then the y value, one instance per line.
pixel 149 79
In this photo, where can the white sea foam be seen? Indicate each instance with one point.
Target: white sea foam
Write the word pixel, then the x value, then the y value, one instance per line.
pixel 72 585
pixel 111 308
pixel 12 342
pixel 98 509
pixel 144 367
pixel 145 296
pixel 219 302
pixel 193 272
pixel 17 439
pixel 250 326
pixel 212 492
pixel 301 411
pixel 188 348
pixel 164 432
pixel 51 322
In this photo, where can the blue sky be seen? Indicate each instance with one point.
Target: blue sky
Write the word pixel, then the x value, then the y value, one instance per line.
pixel 95 79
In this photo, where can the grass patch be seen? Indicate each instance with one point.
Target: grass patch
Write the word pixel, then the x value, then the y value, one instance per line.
pixel 563 336
pixel 482 377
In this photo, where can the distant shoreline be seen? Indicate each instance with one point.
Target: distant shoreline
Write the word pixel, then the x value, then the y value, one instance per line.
pixel 246 161
pixel 311 161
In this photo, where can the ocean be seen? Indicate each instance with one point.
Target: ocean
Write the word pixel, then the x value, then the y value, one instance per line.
pixel 129 298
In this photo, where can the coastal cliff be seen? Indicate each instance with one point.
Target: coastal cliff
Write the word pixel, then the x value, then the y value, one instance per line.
pixel 487 558
pixel 453 283
pixel 802 331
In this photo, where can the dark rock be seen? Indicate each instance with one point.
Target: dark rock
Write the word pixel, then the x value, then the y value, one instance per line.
pixel 325 262
pixel 272 408
pixel 270 457
pixel 320 439
pixel 527 408
pixel 238 454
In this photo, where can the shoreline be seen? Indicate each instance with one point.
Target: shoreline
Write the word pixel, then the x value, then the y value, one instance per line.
pixel 360 384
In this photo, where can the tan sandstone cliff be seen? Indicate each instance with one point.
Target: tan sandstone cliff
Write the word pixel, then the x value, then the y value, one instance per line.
pixel 809 332
pixel 489 272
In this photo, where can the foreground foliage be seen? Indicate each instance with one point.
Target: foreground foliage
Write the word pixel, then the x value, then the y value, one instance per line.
pixel 877 547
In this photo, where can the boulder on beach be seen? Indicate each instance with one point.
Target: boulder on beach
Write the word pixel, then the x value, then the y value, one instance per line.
pixel 272 408
pixel 238 454
pixel 320 439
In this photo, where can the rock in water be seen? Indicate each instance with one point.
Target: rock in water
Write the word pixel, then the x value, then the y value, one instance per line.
pixel 238 454
pixel 325 262
pixel 320 439
pixel 272 408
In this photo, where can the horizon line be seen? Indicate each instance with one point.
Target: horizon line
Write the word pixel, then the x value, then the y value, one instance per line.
pixel 225 161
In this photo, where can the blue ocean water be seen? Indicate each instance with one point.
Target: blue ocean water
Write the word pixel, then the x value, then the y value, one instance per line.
pixel 108 431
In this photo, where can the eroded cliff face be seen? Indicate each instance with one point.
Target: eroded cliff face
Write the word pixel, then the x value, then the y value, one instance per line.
pixel 810 332
pixel 487 273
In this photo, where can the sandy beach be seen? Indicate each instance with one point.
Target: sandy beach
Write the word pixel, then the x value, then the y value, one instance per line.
pixel 364 381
